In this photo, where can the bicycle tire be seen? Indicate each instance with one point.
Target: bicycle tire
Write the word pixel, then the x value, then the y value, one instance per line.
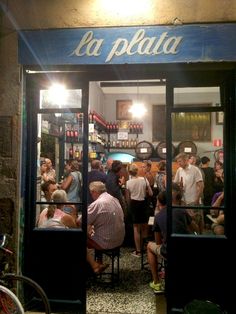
pixel 9 303
pixel 30 293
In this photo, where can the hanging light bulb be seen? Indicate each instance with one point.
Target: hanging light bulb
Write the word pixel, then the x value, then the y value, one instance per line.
pixel 138 109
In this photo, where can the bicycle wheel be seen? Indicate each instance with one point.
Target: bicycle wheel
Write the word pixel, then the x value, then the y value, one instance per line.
pixel 31 295
pixel 9 303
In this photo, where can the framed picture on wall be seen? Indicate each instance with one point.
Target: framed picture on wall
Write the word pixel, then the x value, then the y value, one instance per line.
pixel 122 109
pixel 220 117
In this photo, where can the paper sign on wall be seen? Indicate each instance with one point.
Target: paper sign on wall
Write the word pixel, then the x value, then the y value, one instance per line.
pixel 122 135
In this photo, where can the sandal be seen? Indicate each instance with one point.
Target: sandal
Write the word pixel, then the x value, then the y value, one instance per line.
pixel 136 253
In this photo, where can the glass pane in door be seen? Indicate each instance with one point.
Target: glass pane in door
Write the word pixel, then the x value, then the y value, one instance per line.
pixel 59 161
pixel 197 133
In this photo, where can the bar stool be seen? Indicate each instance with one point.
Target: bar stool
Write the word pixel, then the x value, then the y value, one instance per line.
pixel 113 273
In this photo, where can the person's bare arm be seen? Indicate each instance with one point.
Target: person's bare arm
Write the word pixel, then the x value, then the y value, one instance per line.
pixel 66 183
pixel 219 200
pixel 68 221
pixel 200 186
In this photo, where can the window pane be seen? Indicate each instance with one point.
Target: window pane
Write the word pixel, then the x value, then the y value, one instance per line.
pixel 60 98
pixel 59 154
pixel 197 97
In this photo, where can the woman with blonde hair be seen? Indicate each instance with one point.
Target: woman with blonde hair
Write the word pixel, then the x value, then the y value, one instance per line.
pixel 137 189
pixel 54 216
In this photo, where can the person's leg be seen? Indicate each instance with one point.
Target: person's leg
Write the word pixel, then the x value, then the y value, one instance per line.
pixel 137 237
pixel 153 254
pixel 145 229
pixel 96 267
pixel 153 261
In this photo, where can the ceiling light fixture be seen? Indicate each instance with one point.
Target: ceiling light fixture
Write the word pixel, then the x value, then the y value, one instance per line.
pixel 138 109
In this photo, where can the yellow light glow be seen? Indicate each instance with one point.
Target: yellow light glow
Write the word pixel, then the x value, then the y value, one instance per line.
pixel 125 7
pixel 137 110
pixel 58 94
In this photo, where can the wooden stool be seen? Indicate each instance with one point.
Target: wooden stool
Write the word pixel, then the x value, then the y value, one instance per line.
pixel 114 255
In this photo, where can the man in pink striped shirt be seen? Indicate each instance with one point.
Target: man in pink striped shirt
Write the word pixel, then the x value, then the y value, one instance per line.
pixel 106 218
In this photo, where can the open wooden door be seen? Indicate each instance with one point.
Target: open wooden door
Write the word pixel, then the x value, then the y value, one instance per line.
pixel 200 266
pixel 57 128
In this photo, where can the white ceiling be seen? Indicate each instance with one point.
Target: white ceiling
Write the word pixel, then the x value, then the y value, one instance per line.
pixel 151 89
pixel 138 89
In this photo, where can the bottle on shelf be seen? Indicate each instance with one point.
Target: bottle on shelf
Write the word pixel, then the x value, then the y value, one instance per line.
pixel 141 127
pixel 137 128
pixel 71 135
pixel 80 123
pixel 131 143
pixel 113 142
pixel 131 127
pixel 76 135
pixel 71 155
pixel 114 127
pixel 68 136
pixel 90 117
pixel 77 153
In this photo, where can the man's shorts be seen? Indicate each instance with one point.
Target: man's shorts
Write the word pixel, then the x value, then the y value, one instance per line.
pixel 155 248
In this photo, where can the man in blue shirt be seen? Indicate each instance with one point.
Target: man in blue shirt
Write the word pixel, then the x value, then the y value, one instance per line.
pixel 182 223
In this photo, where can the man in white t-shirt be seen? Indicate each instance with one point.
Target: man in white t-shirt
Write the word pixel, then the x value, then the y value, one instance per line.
pixel 190 179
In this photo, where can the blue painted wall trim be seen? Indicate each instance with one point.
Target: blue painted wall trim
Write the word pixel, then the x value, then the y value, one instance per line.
pixel 128 45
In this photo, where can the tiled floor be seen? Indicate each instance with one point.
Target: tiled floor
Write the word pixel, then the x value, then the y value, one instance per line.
pixel 131 296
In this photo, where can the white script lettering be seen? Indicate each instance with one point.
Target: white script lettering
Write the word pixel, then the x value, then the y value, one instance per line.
pixel 142 45
pixel 88 46
pixel 139 44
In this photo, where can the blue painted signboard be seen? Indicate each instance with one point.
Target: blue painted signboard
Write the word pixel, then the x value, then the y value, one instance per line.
pixel 129 45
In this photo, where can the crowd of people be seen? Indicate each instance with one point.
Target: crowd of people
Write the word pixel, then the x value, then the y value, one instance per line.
pixel 117 193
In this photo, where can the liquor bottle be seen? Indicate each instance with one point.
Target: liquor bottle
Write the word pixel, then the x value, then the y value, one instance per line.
pixel 67 136
pixel 131 127
pixel 90 117
pixel 80 122
pixel 108 143
pixel 114 142
pixel 141 128
pixel 135 128
pixel 76 136
pixel 77 153
pixel 117 126
pixel 72 135
pixel 138 128
pixel 71 153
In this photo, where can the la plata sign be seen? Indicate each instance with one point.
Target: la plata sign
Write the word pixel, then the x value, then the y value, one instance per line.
pixel 128 45
pixel 140 44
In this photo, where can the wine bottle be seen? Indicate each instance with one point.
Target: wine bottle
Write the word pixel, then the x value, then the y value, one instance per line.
pixel 76 136
pixel 67 136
